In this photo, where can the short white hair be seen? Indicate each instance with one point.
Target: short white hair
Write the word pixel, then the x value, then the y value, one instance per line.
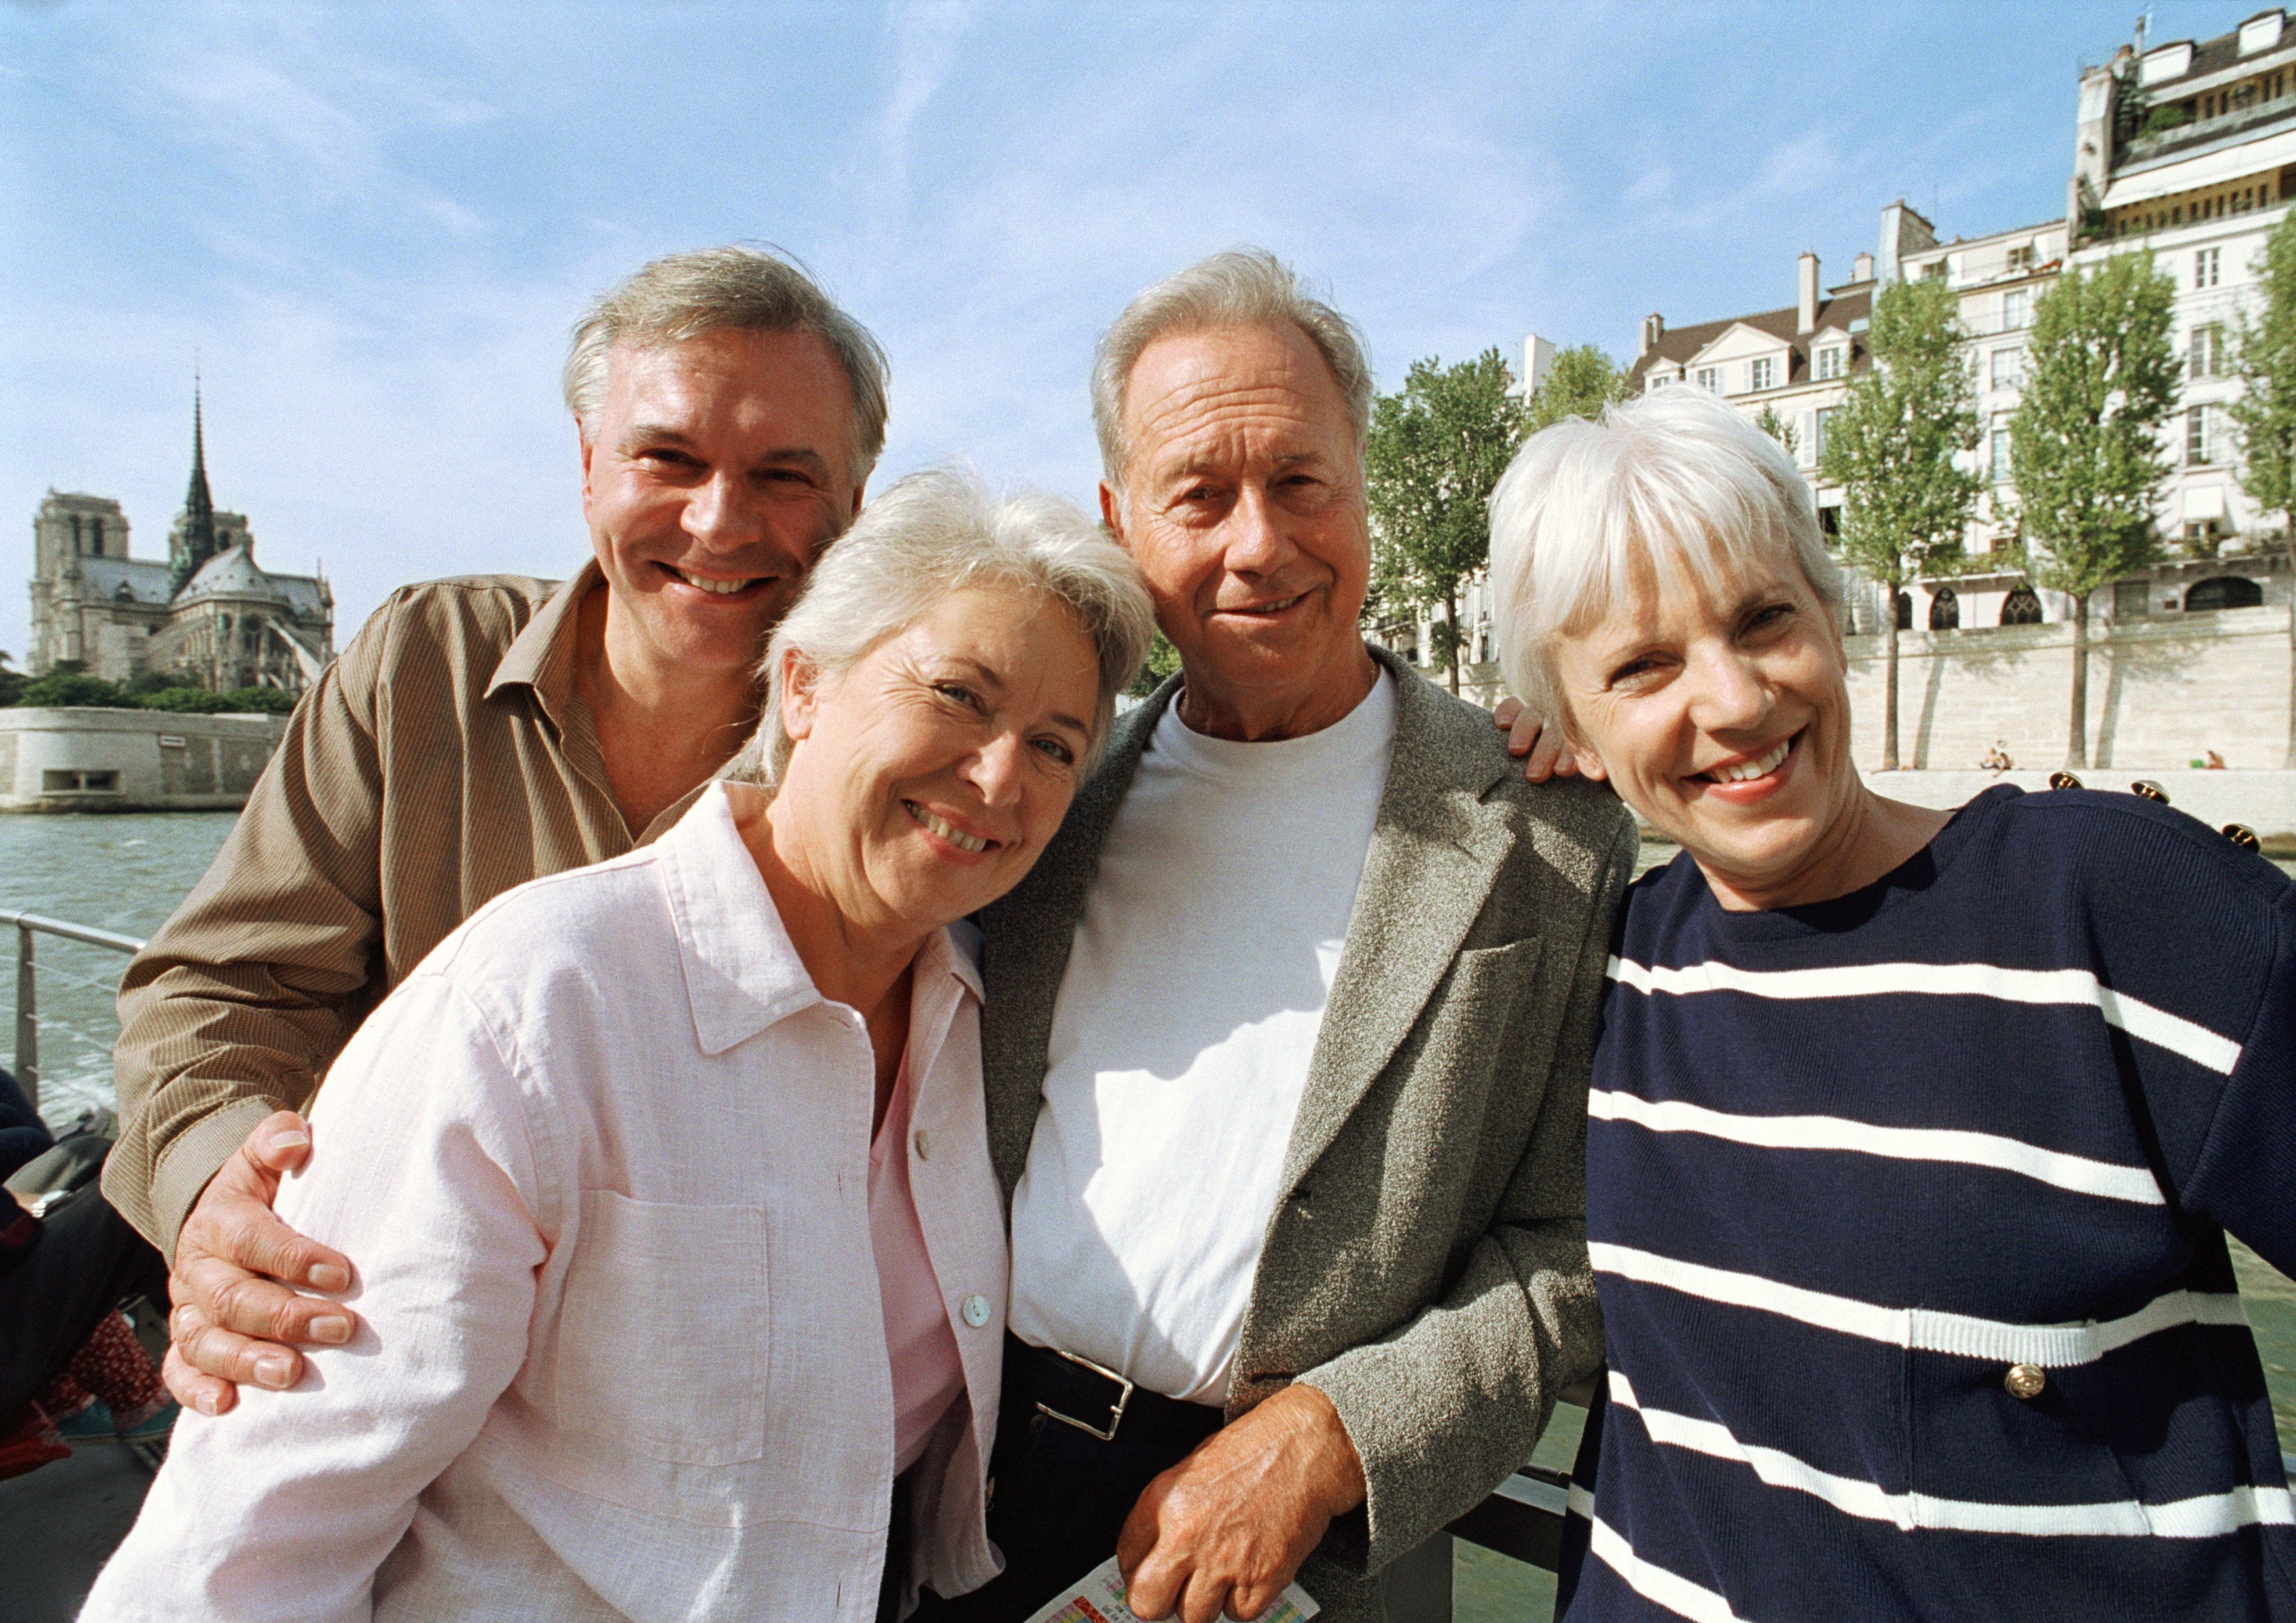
pixel 682 295
pixel 1676 486
pixel 938 532
pixel 1245 287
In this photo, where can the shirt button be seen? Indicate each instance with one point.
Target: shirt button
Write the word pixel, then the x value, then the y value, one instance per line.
pixel 976 1311
pixel 2025 1382
pixel 925 1150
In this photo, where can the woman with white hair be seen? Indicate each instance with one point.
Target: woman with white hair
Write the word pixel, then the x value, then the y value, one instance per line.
pixel 691 1251
pixel 1914 1136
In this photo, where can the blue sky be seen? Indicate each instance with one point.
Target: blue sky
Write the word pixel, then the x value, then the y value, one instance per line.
pixel 374 223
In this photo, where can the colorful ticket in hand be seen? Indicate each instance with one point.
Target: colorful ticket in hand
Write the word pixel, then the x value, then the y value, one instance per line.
pixel 1098 1597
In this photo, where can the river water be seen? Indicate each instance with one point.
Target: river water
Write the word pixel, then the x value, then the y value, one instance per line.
pixel 126 872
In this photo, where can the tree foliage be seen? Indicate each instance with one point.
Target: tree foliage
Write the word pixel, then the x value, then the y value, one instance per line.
pixel 1162 660
pixel 2265 415
pixel 1892 445
pixel 2085 441
pixel 145 691
pixel 1580 382
pixel 1436 451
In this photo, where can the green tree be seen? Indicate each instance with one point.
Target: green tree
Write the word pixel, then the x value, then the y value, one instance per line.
pixel 269 701
pixel 2265 415
pixel 1580 382
pixel 1778 428
pixel 70 687
pixel 2085 441
pixel 1162 660
pixel 1891 445
pixel 1437 448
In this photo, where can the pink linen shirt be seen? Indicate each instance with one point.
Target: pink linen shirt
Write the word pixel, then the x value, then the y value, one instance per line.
pixel 928 1370
pixel 622 1350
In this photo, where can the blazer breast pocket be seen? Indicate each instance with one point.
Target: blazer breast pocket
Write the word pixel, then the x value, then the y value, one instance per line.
pixel 662 1336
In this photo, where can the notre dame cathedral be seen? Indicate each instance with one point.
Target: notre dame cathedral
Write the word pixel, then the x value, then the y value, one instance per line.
pixel 210 613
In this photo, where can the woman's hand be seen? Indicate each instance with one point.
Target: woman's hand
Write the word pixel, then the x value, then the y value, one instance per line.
pixel 1545 753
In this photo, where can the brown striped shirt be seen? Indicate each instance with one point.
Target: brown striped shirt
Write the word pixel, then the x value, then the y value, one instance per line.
pixel 444 758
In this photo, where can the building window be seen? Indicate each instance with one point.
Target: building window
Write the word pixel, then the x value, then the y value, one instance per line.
pixel 1659 379
pixel 1761 374
pixel 1817 435
pixel 2224 592
pixel 55 783
pixel 2021 607
pixel 1945 611
pixel 1829 361
pixel 2204 267
pixel 2196 435
pixel 2021 259
pixel 1709 379
pixel 2207 351
pixel 1934 271
pixel 2002 469
pixel 2016 309
pixel 1904 612
pixel 2008 368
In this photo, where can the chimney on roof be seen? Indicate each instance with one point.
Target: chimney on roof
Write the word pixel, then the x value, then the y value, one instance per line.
pixel 1861 268
pixel 1653 327
pixel 1805 303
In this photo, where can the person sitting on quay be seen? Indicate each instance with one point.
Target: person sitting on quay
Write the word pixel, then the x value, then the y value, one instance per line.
pixel 682 1274
pixel 1914 1135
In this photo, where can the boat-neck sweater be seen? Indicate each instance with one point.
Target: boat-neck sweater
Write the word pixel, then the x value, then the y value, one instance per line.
pixel 1908 1215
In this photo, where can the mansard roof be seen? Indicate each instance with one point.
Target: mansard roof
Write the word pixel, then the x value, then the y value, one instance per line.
pixel 1679 345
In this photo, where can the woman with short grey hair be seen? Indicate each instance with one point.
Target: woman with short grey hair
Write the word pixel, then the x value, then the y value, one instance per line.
pixel 683 1290
pixel 1914 1136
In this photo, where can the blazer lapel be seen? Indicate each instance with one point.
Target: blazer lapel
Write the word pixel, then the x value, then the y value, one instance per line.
pixel 1435 850
pixel 1029 933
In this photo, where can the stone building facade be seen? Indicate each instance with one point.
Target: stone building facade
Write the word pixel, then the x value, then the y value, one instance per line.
pixel 209 614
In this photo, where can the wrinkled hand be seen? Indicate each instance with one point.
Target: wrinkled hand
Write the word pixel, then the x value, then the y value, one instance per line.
pixel 1546 752
pixel 1226 1528
pixel 233 1319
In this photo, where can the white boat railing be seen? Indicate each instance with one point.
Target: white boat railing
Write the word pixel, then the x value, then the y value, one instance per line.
pixel 27 987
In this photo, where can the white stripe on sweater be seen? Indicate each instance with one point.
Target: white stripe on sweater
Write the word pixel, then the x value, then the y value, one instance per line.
pixel 1656 1584
pixel 2140 1019
pixel 1922 1329
pixel 2204 1516
pixel 2077 1173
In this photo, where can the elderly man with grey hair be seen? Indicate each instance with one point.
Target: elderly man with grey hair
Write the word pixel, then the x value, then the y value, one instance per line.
pixel 1286 1039
pixel 479 732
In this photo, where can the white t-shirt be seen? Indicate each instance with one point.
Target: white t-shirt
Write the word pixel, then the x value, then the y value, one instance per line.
pixel 1181 1040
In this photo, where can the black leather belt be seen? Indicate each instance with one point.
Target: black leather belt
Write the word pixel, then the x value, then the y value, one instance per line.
pixel 1099 1402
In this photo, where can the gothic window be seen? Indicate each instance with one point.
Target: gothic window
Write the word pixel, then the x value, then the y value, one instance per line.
pixel 75 542
pixel 1904 612
pixel 95 544
pixel 2224 592
pixel 1945 611
pixel 2021 607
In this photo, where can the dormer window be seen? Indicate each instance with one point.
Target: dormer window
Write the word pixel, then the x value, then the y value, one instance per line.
pixel 1829 361
pixel 1762 374
pixel 2021 259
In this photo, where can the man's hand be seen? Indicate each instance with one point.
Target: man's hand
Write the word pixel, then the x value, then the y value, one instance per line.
pixel 1225 1529
pixel 1546 752
pixel 232 1320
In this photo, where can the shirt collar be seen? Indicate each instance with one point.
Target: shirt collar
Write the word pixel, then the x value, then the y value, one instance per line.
pixel 541 657
pixel 743 972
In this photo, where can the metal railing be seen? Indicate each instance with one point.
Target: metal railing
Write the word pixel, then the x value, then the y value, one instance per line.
pixel 28 990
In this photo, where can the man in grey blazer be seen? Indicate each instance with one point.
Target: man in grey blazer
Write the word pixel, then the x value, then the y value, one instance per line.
pixel 1287 1038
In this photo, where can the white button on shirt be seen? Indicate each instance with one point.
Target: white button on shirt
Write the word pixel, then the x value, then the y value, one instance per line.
pixel 602 1164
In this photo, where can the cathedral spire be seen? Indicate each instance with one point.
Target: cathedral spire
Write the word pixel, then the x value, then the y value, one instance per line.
pixel 194 542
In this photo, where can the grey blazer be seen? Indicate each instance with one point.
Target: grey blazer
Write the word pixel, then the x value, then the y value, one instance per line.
pixel 1426 1264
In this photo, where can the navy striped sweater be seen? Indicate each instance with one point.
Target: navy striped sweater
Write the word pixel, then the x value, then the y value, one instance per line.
pixel 1907 1216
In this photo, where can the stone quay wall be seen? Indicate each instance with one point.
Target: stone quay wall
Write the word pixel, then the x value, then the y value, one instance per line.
pixel 79 758
pixel 2162 692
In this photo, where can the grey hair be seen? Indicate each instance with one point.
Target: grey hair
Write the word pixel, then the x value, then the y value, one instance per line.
pixel 1245 287
pixel 684 296
pixel 935 533
pixel 1675 485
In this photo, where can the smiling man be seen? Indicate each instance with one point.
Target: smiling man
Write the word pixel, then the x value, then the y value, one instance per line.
pixel 1287 1038
pixel 478 734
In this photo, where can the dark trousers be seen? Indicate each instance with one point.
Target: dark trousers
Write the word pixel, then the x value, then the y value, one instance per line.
pixel 1062 1497
pixel 22 1133
pixel 87 1261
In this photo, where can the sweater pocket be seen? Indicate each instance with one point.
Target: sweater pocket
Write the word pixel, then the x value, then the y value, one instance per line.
pixel 662 1336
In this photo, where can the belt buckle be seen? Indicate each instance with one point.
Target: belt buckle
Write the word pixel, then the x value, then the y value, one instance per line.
pixel 1115 1410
